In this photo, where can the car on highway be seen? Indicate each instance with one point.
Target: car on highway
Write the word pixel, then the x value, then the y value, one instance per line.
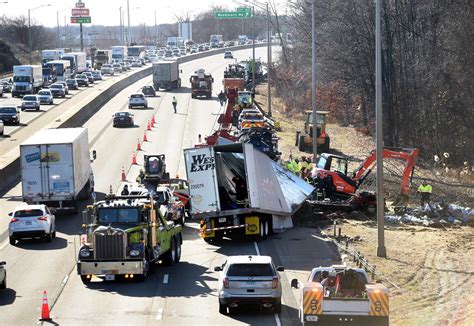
pixel 228 55
pixel 72 83
pixel 123 118
pixel 89 76
pixel 82 80
pixel 137 100
pixel 96 74
pixel 9 115
pixel 31 221
pixel 117 67
pixel 58 90
pixel 249 280
pixel 64 84
pixel 107 69
pixel 2 128
pixel 6 86
pixel 138 64
pixel 45 96
pixel 3 276
pixel 149 90
pixel 30 102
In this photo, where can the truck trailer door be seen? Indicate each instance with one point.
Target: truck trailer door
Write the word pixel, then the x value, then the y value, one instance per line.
pixel 201 173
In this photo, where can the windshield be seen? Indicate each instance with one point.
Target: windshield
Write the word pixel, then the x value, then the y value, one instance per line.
pixel 121 114
pixel 56 86
pixel 81 76
pixel 136 96
pixel 29 213
pixel 250 270
pixel 29 98
pixel 21 79
pixel 319 118
pixel 8 110
pixel 44 93
pixel 116 215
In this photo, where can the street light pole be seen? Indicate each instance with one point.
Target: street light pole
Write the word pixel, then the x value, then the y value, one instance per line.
pixel 128 32
pixel 253 49
pixel 269 63
pixel 381 250
pixel 29 28
pixel 313 80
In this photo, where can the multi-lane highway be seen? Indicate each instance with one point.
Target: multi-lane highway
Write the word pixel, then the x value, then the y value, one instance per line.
pixel 183 294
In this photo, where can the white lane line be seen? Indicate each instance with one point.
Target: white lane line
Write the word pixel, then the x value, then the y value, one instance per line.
pixel 277 318
pixel 4 244
pixel 165 279
pixel 256 249
pixel 159 315
pixel 66 278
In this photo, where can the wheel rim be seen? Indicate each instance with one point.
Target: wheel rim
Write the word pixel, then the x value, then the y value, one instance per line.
pixel 262 231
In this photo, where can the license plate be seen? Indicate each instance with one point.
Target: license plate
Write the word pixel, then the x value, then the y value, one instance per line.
pixel 110 277
pixel 28 223
pixel 312 318
pixel 222 219
pixel 250 283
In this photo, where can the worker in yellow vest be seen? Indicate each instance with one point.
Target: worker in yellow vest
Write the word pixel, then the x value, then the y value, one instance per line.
pixel 425 191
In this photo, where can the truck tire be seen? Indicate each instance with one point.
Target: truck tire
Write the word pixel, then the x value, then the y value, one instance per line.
pixel 222 309
pixel 49 237
pixel 326 144
pixel 3 286
pixel 170 256
pixel 85 279
pixel 193 96
pixel 301 145
pixel 277 308
pixel 178 250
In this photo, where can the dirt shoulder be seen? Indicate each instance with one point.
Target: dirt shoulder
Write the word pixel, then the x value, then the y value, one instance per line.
pixel 432 268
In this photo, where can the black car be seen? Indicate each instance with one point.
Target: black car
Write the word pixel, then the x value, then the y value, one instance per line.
pixel 82 80
pixel 9 115
pixel 148 91
pixel 123 119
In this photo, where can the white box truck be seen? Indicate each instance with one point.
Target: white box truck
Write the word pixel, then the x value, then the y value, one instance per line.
pixel 27 79
pixel 56 168
pixel 102 57
pixel 119 53
pixel 50 55
pixel 81 58
pixel 166 75
pixel 236 189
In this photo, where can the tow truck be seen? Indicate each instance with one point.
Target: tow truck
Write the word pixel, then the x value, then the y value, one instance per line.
pixel 125 236
pixel 340 295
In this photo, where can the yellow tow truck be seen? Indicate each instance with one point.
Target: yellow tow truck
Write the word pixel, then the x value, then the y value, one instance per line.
pixel 340 295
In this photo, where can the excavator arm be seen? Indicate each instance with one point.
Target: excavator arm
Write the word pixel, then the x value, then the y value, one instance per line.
pixel 409 155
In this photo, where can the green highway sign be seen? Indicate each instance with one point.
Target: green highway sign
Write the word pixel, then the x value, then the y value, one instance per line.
pixel 232 14
pixel 244 9
pixel 80 20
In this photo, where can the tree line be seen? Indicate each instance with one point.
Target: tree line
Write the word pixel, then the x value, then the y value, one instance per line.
pixel 427 63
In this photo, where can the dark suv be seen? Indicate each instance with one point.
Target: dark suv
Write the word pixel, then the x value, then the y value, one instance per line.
pixel 9 115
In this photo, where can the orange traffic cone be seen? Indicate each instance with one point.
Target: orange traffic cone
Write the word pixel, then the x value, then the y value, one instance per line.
pixel 148 127
pixel 145 137
pixel 152 123
pixel 124 177
pixel 134 158
pixel 153 119
pixel 110 190
pixel 45 309
pixel 139 146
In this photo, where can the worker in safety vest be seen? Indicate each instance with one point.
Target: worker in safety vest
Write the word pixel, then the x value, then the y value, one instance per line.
pixel 425 191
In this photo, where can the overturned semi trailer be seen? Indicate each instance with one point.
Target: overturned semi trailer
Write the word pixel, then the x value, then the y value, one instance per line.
pixel 237 190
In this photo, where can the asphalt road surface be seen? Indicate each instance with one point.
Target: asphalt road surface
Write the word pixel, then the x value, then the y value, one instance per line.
pixel 183 294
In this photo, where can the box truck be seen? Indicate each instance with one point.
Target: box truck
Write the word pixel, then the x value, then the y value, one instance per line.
pixel 166 75
pixel 50 55
pixel 102 57
pixel 81 64
pixel 27 80
pixel 56 168
pixel 119 53
pixel 236 189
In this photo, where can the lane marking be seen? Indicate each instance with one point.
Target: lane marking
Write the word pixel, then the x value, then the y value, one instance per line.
pixel 4 244
pixel 277 318
pixel 66 278
pixel 165 279
pixel 159 315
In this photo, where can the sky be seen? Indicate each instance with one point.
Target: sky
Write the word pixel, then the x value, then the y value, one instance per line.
pixel 107 12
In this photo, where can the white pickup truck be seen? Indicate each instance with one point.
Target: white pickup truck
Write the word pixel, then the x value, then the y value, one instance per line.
pixel 340 295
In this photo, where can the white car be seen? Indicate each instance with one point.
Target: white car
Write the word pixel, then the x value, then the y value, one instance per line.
pixel 31 221
pixel 117 67
pixel 30 102
pixel 137 99
pixel 228 55
pixel 45 96
pixel 107 69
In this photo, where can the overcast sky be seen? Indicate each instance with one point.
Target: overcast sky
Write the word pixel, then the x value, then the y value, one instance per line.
pixel 106 12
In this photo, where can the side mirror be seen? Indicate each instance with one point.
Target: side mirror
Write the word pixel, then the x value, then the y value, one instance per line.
pixel 217 269
pixel 94 154
pixel 294 283
pixel 3 263
pixel 280 268
pixel 10 214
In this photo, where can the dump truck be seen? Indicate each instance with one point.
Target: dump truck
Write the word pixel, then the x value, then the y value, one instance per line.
pixel 56 168
pixel 304 140
pixel 237 190
pixel 166 75
pixel 201 84
pixel 124 237
pixel 340 295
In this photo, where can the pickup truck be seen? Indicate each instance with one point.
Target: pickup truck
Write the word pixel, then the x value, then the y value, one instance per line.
pixel 338 294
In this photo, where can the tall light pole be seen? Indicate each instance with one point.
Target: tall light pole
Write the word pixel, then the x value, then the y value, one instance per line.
pixel 29 28
pixel 381 250
pixel 313 79
pixel 253 49
pixel 128 31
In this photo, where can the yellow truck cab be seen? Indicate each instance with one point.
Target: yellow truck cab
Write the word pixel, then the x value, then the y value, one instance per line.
pixel 340 295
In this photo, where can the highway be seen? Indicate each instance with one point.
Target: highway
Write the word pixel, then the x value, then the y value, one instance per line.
pixel 183 294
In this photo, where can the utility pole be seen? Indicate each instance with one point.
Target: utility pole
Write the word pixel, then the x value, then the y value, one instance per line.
pixel 269 63
pixel 128 32
pixel 82 37
pixel 59 31
pixel 313 80
pixel 381 250
pixel 120 25
pixel 29 34
pixel 253 49
pixel 156 30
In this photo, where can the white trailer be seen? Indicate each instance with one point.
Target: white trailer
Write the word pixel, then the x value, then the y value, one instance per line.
pixel 166 75
pixel 119 53
pixel 237 189
pixel 27 79
pixel 56 168
pixel 81 59
pixel 50 55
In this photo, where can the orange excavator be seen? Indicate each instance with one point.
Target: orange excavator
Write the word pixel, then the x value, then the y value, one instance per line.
pixel 331 176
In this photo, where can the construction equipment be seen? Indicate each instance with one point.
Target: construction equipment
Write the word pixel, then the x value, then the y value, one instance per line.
pixel 124 237
pixel 335 181
pixel 340 295
pixel 304 140
pixel 201 84
pixel 155 170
